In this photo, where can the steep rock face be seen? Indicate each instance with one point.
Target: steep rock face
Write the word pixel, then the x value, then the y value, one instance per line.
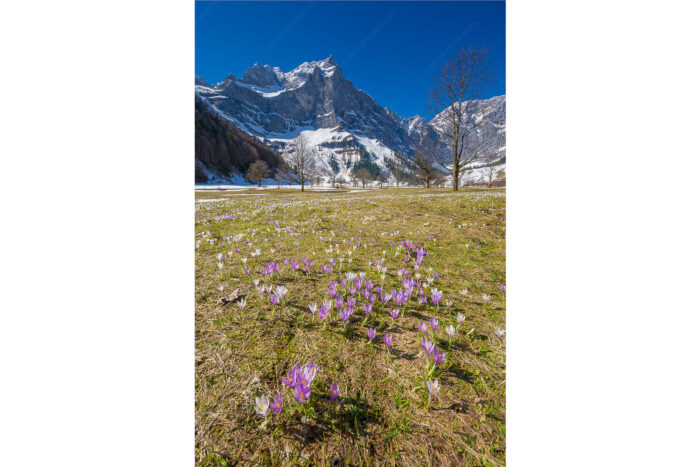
pixel 489 114
pixel 222 150
pixel 346 124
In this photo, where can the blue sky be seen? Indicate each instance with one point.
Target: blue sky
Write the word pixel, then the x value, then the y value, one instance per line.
pixel 388 49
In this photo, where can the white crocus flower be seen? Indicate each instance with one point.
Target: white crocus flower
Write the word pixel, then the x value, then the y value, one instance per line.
pixel 433 387
pixel 261 405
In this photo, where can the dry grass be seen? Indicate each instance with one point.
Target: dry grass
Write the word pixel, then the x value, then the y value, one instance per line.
pixel 381 416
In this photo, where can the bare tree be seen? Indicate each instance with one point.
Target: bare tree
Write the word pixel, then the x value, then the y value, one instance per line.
pixel 381 179
pixel 364 176
pixel 467 179
pixel 302 160
pixel 354 178
pixel 440 178
pixel 454 94
pixel 492 172
pixel 282 173
pixel 501 176
pixel 339 181
pixel 397 170
pixel 257 171
pixel 424 158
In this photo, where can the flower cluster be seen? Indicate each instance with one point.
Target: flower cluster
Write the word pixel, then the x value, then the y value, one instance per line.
pixel 299 379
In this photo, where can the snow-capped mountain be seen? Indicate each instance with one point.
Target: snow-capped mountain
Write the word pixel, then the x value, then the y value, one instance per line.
pixel 345 124
pixel 489 115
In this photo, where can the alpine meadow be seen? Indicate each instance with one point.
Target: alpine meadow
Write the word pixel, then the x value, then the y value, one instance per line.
pixel 350 282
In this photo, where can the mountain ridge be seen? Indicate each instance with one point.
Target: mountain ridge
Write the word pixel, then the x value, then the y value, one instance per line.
pixel 345 124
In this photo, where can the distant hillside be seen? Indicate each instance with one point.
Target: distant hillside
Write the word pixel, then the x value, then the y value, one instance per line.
pixel 222 150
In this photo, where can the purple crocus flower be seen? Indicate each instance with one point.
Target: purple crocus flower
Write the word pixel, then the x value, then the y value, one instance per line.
pixel 335 392
pixel 439 356
pixel 502 288
pixel 307 264
pixel 301 393
pixel 434 323
pixel 388 340
pixel 323 311
pixel 277 404
pixel 333 289
pixel 358 283
pixel 394 313
pixel 423 327
pixel 427 346
pixel 371 333
pixel 351 302
pixel 345 315
pixel 339 303
pixel 274 298
pixel 368 308
pixel 291 376
pixel 436 296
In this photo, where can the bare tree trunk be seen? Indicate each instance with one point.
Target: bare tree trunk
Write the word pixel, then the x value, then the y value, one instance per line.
pixel 302 185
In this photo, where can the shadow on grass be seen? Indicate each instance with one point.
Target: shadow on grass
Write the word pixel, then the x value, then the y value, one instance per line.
pixel 464 375
pixel 350 415
pixel 455 407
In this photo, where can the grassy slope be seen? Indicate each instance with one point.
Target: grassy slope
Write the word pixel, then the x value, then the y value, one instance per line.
pixel 381 417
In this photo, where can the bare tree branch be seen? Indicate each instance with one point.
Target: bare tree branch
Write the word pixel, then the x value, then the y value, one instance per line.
pixel 302 160
pixel 456 88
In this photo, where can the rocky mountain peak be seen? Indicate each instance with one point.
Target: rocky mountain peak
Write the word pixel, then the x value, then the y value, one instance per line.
pixel 261 76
